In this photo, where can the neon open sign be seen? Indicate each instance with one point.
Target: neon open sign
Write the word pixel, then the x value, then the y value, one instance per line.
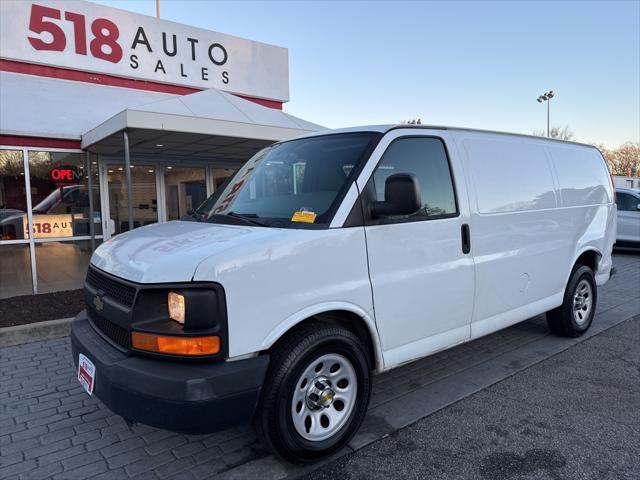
pixel 67 175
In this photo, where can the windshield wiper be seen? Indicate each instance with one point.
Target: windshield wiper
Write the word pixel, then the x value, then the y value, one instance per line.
pixel 247 217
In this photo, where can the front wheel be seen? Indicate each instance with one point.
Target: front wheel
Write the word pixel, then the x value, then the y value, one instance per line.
pixel 316 393
pixel 573 318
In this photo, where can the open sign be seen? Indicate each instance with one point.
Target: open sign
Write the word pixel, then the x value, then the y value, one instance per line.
pixel 65 175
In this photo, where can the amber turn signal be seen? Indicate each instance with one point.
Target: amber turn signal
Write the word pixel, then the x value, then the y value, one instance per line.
pixel 176 345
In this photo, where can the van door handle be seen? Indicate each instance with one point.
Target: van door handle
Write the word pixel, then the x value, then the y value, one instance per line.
pixel 466 238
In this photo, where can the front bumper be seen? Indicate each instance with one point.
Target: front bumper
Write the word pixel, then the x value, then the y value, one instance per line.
pixel 180 396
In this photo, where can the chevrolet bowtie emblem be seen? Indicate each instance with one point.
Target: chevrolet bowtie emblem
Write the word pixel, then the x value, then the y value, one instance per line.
pixel 98 303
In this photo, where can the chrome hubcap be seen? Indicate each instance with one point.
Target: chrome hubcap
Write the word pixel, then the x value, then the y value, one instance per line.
pixel 582 302
pixel 320 394
pixel 324 397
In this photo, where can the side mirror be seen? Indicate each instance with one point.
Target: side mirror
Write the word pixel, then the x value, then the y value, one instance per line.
pixel 638 207
pixel 401 196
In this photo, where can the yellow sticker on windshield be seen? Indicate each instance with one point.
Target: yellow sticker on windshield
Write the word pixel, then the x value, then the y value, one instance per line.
pixel 303 216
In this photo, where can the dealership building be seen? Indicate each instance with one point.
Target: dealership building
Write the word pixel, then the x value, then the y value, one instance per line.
pixel 111 120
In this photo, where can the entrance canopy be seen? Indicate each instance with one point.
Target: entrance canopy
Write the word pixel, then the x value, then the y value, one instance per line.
pixel 209 125
pixel 44 107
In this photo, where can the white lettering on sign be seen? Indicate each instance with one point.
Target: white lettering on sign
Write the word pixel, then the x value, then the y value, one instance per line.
pixel 88 37
pixel 49 226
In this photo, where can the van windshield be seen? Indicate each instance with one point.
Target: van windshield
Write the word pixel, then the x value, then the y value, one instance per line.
pixel 294 183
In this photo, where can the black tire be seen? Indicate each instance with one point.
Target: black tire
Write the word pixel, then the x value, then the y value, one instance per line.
pixel 562 320
pixel 291 357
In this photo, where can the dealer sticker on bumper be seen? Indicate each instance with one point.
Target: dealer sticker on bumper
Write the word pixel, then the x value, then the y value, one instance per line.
pixel 86 373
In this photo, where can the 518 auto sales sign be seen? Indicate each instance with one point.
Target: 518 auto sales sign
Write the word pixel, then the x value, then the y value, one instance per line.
pixel 83 36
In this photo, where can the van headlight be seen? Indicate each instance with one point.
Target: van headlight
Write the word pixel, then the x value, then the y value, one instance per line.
pixel 176 305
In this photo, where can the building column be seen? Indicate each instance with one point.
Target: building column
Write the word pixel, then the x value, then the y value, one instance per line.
pixel 92 230
pixel 127 174
pixel 32 243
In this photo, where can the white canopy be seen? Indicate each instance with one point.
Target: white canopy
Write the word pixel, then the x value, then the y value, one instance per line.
pixel 207 124
pixel 209 113
pixel 51 108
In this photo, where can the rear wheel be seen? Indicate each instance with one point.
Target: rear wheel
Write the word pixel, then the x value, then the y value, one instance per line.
pixel 316 393
pixel 573 318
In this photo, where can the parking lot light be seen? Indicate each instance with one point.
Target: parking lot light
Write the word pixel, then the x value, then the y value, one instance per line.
pixel 546 97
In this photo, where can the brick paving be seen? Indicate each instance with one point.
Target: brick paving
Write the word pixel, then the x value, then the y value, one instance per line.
pixel 49 428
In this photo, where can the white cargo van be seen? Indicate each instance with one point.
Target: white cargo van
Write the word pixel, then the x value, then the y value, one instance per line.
pixel 335 256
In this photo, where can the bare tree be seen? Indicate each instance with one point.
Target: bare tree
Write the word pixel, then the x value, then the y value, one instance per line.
pixel 624 160
pixel 413 121
pixel 561 133
pixel 11 163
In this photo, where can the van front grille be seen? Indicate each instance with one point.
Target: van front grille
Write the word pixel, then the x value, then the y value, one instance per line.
pixel 115 333
pixel 121 293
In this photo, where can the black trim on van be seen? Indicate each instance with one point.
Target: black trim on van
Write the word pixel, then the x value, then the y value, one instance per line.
pixel 116 307
pixel 356 215
pixel 191 398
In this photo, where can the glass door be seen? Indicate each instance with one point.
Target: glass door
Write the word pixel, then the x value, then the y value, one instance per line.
pixel 185 189
pixel 144 196
pixel 15 257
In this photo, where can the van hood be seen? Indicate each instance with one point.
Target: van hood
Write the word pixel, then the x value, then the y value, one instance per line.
pixel 170 252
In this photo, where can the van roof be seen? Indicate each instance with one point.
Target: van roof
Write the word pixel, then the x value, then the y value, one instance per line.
pixel 387 128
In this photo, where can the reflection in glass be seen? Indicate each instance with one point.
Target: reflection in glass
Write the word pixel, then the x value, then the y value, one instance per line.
pixel 280 183
pixel 15 270
pixel 185 189
pixel 143 189
pixel 13 201
pixel 221 175
pixel 62 265
pixel 60 196
pixel 427 160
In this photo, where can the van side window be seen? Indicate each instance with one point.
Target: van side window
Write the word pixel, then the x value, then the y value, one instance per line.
pixel 626 202
pixel 427 159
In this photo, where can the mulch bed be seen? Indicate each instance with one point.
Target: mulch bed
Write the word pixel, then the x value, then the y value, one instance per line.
pixel 38 308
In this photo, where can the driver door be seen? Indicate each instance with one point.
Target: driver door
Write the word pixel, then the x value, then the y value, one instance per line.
pixel 422 276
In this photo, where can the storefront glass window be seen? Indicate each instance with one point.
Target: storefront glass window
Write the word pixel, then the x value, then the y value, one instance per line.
pixel 15 270
pixel 15 261
pixel 185 189
pixel 13 201
pixel 60 196
pixel 62 265
pixel 145 197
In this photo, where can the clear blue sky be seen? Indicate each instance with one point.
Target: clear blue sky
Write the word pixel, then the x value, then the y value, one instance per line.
pixel 473 64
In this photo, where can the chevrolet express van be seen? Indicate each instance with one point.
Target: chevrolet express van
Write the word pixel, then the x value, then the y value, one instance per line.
pixel 335 256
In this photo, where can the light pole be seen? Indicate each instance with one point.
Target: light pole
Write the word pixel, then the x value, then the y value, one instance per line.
pixel 546 97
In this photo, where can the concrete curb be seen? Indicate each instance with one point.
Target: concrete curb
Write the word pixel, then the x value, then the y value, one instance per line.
pixel 34 332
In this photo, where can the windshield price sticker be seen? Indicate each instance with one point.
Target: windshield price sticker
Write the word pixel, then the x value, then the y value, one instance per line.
pixel 304 216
